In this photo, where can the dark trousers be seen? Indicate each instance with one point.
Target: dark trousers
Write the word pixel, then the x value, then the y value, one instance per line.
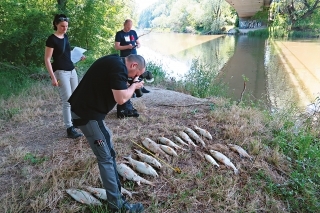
pixel 100 139
pixel 126 105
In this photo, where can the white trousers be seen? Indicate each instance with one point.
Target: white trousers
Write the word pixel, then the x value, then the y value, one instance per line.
pixel 68 82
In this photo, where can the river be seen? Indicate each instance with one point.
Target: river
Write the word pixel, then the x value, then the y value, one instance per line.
pixel 237 59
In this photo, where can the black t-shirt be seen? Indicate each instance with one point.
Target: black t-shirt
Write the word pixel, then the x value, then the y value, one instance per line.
pixel 60 61
pixel 126 38
pixel 93 97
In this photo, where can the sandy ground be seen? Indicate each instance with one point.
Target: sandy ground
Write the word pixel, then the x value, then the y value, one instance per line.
pixel 162 97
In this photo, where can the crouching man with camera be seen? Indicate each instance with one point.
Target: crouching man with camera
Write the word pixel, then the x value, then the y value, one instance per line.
pixel 102 87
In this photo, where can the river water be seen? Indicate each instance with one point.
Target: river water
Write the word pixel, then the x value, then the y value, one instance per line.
pixel 234 58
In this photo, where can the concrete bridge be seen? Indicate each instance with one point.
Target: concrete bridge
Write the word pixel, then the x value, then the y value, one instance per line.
pixel 246 9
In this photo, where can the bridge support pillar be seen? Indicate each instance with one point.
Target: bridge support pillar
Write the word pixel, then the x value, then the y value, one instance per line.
pixel 247 23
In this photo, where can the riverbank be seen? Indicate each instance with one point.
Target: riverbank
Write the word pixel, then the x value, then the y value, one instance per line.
pixel 243 31
pixel 38 156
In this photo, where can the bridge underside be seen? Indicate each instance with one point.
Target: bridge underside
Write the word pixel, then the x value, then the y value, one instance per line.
pixel 248 8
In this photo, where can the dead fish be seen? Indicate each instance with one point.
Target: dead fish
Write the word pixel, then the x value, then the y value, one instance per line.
pixel 83 197
pixel 180 140
pixel 224 159
pixel 194 136
pixel 128 174
pixel 98 192
pixel 185 137
pixel 101 193
pixel 211 160
pixel 142 167
pixel 240 150
pixel 203 132
pixel 148 159
pixel 153 146
pixel 127 192
pixel 169 150
pixel 169 142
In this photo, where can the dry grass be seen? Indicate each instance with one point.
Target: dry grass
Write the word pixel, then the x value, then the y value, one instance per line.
pixel 39 186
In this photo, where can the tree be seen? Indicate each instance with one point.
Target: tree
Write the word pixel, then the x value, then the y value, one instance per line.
pixel 26 24
pixel 296 11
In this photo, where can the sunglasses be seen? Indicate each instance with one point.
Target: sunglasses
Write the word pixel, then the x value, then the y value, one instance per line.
pixel 63 19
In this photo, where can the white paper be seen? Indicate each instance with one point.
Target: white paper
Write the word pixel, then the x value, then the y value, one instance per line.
pixel 76 54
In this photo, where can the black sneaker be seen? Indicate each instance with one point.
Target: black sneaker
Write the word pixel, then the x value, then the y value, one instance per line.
pixel 72 133
pixel 144 90
pixel 127 113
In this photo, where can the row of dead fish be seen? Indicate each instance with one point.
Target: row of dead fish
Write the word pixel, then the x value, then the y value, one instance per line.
pixel 168 147
pixel 148 163
pixel 91 195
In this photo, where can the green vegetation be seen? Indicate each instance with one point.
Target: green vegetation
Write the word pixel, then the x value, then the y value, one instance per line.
pixel 188 16
pixel 284 175
pixel 34 159
pixel 92 26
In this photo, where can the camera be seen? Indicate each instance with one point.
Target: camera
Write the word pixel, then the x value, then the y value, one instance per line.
pixel 147 76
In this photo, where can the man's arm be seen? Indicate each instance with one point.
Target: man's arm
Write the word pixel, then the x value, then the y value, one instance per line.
pixel 138 43
pixel 118 47
pixel 122 96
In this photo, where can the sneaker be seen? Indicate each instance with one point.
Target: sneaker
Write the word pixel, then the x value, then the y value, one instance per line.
pixel 129 208
pixel 127 113
pixel 72 133
pixel 133 208
pixel 144 90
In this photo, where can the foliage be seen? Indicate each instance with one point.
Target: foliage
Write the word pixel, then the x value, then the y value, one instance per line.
pixel 188 16
pixel 27 24
pixel 302 151
pixel 158 73
pixel 200 81
pixel 14 79
pixel 262 15
pixel 263 33
pixel 24 28
pixel 301 15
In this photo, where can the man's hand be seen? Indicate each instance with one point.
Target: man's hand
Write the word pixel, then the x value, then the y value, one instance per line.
pixel 130 46
pixel 137 83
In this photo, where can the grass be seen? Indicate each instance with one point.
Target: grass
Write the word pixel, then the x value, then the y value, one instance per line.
pixel 39 163
pixel 14 79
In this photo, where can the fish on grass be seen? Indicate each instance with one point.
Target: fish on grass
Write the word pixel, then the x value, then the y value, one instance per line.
pixel 153 147
pixel 224 159
pixel 148 159
pixel 179 140
pixel 240 151
pixel 203 132
pixel 169 150
pixel 101 193
pixel 169 142
pixel 186 138
pixel 194 136
pixel 141 167
pixel 128 174
pixel 211 160
pixel 83 197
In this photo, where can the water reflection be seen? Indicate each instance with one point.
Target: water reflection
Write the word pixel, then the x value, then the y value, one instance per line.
pixel 271 77
pixel 246 64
